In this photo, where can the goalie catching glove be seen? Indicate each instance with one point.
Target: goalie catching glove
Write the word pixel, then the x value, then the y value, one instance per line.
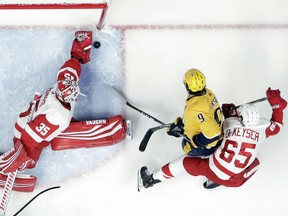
pixel 176 129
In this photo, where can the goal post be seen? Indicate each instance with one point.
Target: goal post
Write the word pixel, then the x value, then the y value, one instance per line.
pixel 46 6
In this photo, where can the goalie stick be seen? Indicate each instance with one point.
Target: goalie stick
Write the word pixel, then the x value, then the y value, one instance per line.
pixel 51 188
pixel 150 131
pixel 12 176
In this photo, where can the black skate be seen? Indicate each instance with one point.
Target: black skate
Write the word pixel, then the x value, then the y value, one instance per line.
pixel 145 179
pixel 210 185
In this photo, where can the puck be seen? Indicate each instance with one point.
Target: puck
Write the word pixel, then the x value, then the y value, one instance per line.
pixel 96 44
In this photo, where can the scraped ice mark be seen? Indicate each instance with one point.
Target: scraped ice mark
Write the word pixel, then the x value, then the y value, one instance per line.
pixel 30 59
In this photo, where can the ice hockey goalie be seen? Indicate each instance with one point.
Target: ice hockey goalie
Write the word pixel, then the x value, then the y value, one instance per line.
pixel 93 133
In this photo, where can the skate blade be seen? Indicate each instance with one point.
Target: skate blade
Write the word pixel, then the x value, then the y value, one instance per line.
pixel 139 181
pixel 129 132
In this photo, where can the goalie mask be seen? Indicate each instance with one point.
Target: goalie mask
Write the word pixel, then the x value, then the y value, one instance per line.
pixel 67 90
pixel 194 80
pixel 248 114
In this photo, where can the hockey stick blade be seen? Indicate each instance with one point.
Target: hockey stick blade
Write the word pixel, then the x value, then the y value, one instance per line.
pixel 35 198
pixel 148 134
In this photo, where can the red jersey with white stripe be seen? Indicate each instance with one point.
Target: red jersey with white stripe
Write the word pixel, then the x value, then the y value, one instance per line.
pixel 51 116
pixel 240 146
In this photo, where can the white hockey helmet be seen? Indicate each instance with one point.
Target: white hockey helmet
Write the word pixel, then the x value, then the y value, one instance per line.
pixel 67 90
pixel 248 114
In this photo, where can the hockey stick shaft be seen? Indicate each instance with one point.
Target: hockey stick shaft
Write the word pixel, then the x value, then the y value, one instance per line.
pixel 35 198
pixel 144 113
pixel 147 136
pixel 134 107
pixel 255 101
pixel 12 176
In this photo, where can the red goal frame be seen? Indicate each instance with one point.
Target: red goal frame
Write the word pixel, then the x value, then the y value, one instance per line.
pixel 102 6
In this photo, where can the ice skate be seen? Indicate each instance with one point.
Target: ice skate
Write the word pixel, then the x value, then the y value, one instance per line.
pixel 145 179
pixel 210 185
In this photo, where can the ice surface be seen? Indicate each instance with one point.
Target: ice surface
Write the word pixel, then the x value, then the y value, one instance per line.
pixel 30 59
pixel 241 46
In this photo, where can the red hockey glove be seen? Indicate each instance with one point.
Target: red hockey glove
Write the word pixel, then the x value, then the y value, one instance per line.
pixel 81 46
pixel 275 99
pixel 229 110
pixel 176 128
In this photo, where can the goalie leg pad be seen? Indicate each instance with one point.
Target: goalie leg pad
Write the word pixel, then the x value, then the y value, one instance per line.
pixel 93 133
pixel 23 183
pixel 15 158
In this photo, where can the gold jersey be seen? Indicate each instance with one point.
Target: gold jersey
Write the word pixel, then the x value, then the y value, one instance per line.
pixel 202 114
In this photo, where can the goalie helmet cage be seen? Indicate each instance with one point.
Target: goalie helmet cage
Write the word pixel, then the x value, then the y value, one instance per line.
pixel 102 6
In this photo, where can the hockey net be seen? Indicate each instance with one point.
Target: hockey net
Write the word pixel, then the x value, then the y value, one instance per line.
pixel 99 7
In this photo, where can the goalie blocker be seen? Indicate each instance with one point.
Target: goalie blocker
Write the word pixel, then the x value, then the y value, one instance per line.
pixel 93 133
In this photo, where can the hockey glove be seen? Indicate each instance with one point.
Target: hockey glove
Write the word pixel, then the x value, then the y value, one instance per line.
pixel 81 46
pixel 176 128
pixel 229 110
pixel 275 99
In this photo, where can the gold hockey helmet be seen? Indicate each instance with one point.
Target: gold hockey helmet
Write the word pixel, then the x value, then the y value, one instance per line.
pixel 194 80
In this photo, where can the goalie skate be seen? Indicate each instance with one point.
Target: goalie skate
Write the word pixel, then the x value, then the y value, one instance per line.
pixel 129 132
pixel 139 181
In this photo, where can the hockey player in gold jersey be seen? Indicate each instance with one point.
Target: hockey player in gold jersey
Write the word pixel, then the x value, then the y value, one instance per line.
pixel 201 124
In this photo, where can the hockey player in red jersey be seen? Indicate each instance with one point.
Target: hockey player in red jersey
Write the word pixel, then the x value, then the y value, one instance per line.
pixel 52 113
pixel 235 161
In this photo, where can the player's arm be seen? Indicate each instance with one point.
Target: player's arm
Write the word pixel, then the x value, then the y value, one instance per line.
pixel 202 140
pixel 22 120
pixel 278 104
pixel 80 54
pixel 205 140
pixel 70 70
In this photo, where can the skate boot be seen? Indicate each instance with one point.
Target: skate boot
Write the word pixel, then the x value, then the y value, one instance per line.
pixel 211 185
pixel 145 179
pixel 81 46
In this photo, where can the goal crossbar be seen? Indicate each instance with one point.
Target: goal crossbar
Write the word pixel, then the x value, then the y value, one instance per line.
pixel 103 6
